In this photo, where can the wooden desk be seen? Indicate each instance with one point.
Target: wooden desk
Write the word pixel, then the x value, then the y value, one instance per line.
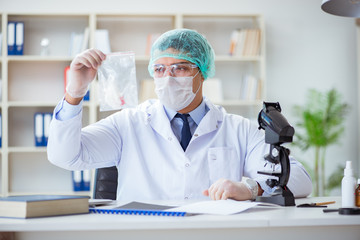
pixel 257 223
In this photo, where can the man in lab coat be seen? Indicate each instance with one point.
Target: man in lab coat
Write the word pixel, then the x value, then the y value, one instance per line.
pixel 180 146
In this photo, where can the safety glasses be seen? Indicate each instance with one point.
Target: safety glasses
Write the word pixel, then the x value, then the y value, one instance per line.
pixel 176 69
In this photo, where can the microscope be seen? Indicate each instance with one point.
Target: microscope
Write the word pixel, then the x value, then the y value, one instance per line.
pixel 277 131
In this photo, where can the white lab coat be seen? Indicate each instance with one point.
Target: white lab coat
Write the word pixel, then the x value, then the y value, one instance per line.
pixel 150 161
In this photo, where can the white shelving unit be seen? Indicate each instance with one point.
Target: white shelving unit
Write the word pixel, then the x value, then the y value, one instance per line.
pixel 33 83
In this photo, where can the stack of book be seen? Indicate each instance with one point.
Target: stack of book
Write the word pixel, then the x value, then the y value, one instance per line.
pixel 245 42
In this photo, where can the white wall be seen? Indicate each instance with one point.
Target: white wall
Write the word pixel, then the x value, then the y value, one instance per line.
pixel 306 48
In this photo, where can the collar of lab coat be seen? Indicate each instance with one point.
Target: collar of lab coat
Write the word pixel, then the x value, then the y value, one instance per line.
pixel 212 120
pixel 159 121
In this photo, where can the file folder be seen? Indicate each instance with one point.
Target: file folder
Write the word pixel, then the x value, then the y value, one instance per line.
pixel 86 177
pixel 19 38
pixel 39 129
pixel 47 120
pixel 77 176
pixel 87 96
pixel 11 38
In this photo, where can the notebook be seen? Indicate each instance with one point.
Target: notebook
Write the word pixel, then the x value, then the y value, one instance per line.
pixel 139 208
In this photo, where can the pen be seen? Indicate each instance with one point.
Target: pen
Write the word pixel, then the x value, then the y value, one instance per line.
pixel 324 203
pixel 320 204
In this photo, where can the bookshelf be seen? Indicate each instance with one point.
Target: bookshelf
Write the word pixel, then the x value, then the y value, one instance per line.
pixel 39 85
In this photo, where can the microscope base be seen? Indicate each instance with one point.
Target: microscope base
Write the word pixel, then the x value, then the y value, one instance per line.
pixel 284 199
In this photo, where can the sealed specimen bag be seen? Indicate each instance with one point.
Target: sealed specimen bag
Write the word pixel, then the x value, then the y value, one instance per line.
pixel 117 81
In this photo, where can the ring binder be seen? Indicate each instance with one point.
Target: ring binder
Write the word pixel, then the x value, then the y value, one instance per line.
pixel 139 208
pixel 137 212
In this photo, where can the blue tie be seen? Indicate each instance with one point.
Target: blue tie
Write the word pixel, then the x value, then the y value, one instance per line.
pixel 185 131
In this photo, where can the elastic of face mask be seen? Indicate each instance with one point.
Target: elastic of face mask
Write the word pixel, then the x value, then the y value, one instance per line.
pixel 199 84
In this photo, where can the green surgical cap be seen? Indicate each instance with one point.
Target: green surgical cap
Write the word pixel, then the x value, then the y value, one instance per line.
pixel 184 44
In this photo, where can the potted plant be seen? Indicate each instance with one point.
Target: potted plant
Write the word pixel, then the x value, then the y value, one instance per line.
pixel 320 125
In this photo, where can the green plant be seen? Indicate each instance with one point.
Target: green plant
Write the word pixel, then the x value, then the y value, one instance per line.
pixel 320 125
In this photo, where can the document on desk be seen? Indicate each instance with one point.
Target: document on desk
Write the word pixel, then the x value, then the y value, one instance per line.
pixel 220 207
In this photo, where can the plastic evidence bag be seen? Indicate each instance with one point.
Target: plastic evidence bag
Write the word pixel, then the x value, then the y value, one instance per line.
pixel 117 81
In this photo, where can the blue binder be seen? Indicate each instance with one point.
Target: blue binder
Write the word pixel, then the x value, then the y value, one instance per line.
pixel 19 38
pixel 39 129
pixel 47 119
pixel 87 96
pixel 15 38
pixel 86 177
pixel 77 180
pixel 11 38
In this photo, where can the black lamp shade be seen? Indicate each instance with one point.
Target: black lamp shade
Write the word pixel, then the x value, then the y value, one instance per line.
pixel 345 8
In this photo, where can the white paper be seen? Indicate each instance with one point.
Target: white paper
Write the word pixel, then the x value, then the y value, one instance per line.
pixel 220 207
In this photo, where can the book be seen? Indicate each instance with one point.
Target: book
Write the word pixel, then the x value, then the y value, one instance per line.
pixel 233 41
pixel 79 42
pixel 249 88
pixel 29 206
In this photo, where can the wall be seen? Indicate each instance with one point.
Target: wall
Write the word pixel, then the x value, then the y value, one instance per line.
pixel 306 48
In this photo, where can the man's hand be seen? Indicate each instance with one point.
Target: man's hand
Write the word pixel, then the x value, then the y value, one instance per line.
pixel 83 70
pixel 223 189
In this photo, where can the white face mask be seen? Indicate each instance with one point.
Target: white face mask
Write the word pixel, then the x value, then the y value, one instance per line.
pixel 175 92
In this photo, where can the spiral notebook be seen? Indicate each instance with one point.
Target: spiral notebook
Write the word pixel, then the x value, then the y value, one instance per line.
pixel 138 208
